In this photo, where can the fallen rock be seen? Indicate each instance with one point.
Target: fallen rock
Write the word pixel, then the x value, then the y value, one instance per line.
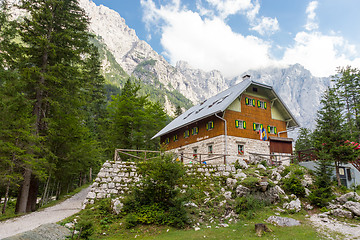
pixel 260 166
pixel 354 207
pixel 230 182
pixel 283 221
pixel 242 164
pixel 293 205
pixel 242 191
pixel 227 194
pixel 240 175
pixel 341 213
pixel 344 198
pixel 117 206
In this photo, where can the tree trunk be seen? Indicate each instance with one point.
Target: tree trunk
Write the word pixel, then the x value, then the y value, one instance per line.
pixel 6 196
pixel 23 192
pixel 90 175
pixel 33 191
pixel 46 190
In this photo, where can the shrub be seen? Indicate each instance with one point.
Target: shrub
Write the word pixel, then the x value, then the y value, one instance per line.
pixel 85 228
pixel 156 199
pixel 250 182
pixel 248 205
pixel 293 185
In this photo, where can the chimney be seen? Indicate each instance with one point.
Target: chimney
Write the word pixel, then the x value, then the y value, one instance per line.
pixel 246 77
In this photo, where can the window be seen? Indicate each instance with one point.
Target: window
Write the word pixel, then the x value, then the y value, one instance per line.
pixel 210 125
pixel 167 141
pixel 257 126
pixel 250 101
pixel 210 149
pixel 195 153
pixel 261 104
pixel 240 149
pixel 175 138
pixel 186 133
pixel 194 131
pixel 272 130
pixel 240 124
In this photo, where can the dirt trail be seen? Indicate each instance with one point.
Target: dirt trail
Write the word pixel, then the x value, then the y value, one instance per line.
pixel 49 215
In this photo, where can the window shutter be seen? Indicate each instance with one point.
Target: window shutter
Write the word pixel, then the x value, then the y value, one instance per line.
pixel 253 102
pixel 254 126
pixel 244 124
pixel 207 126
pixel 246 101
pixel 236 123
pixel 212 124
pixel 268 128
pixel 265 105
pixel 275 130
pixel 261 126
pixel 196 130
pixel 258 103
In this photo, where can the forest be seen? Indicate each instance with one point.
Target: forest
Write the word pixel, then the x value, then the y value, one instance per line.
pixel 59 119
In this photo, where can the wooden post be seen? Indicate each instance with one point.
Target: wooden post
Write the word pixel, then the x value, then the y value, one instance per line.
pixel 200 158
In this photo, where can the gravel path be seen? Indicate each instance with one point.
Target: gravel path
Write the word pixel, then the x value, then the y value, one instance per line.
pixel 48 215
pixel 330 225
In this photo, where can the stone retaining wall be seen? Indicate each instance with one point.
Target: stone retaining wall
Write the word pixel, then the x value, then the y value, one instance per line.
pixel 117 177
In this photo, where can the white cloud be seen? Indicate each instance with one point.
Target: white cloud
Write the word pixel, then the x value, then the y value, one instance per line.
pixel 311 24
pixel 230 7
pixel 321 54
pixel 267 26
pixel 207 43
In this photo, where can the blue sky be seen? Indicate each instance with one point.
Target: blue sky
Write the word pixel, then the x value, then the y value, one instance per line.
pixel 236 35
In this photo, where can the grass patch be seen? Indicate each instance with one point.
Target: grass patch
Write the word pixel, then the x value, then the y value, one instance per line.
pixel 243 229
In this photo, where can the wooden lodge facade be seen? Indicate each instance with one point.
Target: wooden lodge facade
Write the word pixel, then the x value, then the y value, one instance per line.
pixel 230 123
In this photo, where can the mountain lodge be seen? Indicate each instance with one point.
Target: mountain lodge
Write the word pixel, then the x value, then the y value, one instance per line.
pixel 246 119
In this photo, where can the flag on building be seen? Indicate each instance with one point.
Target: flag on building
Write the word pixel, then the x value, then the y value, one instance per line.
pixel 262 133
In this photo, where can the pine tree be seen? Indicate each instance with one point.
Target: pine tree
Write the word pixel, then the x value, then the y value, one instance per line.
pixel 55 68
pixel 304 140
pixel 347 82
pixel 330 136
pixel 178 111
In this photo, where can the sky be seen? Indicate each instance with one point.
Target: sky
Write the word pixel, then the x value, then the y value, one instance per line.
pixel 233 36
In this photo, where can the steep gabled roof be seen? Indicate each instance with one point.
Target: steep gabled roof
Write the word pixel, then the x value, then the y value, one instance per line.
pixel 219 103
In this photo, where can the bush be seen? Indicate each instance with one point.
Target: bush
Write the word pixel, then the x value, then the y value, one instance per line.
pixel 85 228
pixel 156 199
pixel 248 205
pixel 293 185
pixel 250 182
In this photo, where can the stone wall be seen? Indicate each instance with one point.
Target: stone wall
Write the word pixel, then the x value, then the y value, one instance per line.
pixel 117 177
pixel 218 143
pixel 114 178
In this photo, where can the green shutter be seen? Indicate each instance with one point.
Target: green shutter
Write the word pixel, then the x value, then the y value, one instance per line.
pixel 212 124
pixel 254 126
pixel 265 105
pixel 244 124
pixel 207 126
pixel 275 130
pixel 261 126
pixel 237 123
pixel 258 103
pixel 253 102
pixel 246 101
pixel 268 128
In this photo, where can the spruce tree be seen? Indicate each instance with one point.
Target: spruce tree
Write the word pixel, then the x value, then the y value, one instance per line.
pixel 330 136
pixel 55 69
